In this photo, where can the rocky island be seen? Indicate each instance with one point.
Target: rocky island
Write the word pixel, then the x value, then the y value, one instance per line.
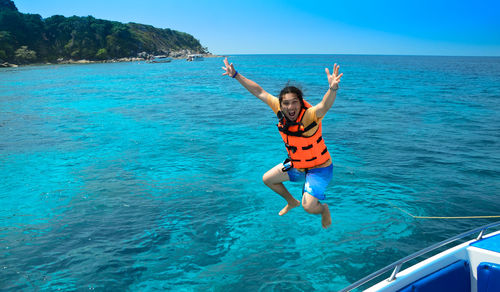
pixel 31 39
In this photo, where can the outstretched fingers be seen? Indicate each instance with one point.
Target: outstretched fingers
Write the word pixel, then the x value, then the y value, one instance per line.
pixel 328 72
pixel 229 68
pixel 226 68
pixel 338 77
pixel 335 77
pixel 336 69
pixel 336 74
pixel 225 73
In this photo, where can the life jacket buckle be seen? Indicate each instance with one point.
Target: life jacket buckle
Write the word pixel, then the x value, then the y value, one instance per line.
pixel 287 165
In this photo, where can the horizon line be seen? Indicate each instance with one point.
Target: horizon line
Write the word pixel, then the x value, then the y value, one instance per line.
pixel 358 54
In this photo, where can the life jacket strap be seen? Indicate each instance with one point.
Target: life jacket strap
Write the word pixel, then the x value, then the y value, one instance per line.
pixel 312 125
pixel 292 149
pixel 285 128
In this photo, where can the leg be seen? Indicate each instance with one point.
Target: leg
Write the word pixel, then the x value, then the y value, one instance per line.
pixel 274 179
pixel 313 206
pixel 317 180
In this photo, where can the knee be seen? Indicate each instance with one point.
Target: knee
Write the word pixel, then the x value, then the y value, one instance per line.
pixel 309 206
pixel 266 179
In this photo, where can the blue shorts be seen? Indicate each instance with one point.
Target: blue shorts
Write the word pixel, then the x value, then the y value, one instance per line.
pixel 316 180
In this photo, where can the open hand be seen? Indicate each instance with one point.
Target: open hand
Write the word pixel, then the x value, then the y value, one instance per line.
pixel 229 69
pixel 334 79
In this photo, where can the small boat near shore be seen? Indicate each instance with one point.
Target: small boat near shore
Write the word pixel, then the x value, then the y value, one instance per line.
pixel 160 59
pixel 194 57
pixel 473 266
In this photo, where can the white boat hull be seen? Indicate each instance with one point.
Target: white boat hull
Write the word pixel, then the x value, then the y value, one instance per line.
pixel 473 266
pixel 471 254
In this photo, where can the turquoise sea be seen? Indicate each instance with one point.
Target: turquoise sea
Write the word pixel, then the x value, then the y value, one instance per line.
pixel 148 177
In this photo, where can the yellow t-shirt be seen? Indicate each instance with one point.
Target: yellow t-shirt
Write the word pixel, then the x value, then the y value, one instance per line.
pixel 309 116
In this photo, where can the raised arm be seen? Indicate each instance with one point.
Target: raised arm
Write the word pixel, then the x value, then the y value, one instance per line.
pixel 329 97
pixel 250 85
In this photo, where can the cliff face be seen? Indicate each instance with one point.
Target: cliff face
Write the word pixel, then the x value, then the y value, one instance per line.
pixel 27 38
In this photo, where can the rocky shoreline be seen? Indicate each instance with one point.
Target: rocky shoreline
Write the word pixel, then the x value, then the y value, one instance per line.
pixel 141 57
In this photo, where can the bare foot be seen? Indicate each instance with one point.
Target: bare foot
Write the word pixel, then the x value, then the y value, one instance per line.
pixel 289 207
pixel 326 219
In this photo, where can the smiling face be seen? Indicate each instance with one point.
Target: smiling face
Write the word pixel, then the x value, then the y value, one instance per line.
pixel 290 106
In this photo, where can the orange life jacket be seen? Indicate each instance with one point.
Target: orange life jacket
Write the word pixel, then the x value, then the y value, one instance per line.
pixel 303 152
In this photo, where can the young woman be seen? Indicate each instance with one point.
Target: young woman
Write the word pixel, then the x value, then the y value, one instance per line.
pixel 300 127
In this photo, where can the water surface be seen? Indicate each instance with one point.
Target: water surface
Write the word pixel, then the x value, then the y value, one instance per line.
pixel 146 177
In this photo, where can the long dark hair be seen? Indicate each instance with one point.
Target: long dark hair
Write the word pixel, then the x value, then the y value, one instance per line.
pixel 292 89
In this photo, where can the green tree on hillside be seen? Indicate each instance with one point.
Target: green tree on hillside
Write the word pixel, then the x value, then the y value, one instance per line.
pixel 7 5
pixel 23 55
pixel 6 46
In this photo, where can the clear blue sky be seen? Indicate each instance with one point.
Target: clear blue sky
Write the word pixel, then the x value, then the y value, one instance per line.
pixel 426 27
